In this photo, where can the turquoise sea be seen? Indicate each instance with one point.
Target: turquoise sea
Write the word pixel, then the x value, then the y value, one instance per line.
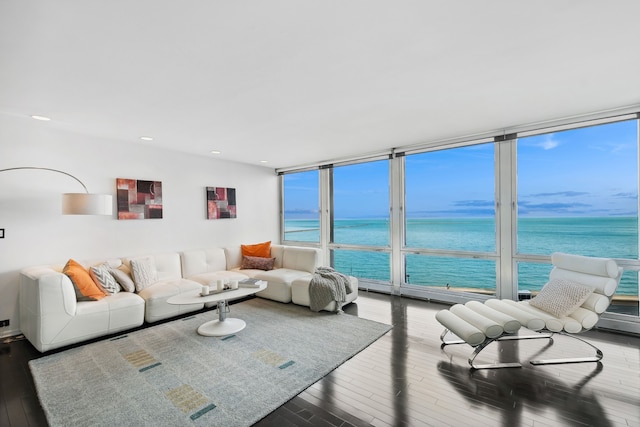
pixel 615 237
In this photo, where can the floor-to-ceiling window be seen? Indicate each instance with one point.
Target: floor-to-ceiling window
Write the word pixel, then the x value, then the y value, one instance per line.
pixel 301 206
pixel 450 224
pixel 360 233
pixel 473 219
pixel 578 193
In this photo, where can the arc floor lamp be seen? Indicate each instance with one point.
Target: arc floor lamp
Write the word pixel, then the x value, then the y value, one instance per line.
pixel 78 203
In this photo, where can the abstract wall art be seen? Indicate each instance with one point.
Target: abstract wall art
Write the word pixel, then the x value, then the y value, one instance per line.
pixel 139 199
pixel 221 202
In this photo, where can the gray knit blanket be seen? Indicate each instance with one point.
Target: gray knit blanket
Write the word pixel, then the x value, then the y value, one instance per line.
pixel 328 285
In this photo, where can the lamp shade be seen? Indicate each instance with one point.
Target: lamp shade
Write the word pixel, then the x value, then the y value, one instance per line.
pixel 87 204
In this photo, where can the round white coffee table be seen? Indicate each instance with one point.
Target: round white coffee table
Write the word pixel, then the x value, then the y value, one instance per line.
pixel 223 325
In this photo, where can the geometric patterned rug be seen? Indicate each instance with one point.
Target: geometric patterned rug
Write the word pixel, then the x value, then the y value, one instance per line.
pixel 168 375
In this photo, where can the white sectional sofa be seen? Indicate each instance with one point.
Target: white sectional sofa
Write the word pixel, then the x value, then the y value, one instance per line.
pixel 51 317
pixel 287 282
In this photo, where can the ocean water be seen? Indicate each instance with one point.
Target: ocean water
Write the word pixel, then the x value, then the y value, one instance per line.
pixel 615 237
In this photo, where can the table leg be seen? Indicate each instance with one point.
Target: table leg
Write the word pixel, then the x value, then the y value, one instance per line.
pixel 223 326
pixel 222 312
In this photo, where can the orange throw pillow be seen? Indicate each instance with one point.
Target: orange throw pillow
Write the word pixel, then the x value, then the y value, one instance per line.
pixel 86 289
pixel 262 250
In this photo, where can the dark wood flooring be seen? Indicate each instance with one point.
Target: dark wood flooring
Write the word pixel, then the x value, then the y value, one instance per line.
pixel 406 379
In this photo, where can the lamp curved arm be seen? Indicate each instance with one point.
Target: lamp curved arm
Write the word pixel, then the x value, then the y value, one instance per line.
pixel 47 169
pixel 77 203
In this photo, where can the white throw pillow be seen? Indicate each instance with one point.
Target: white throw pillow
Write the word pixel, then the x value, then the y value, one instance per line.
pixel 123 275
pixel 144 272
pixel 561 297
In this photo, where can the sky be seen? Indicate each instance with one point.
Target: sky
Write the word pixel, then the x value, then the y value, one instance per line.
pixel 590 171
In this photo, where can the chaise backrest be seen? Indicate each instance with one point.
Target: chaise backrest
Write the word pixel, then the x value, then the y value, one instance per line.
pixel 602 274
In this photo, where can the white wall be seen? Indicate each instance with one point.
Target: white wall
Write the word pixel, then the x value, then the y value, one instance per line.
pixel 37 233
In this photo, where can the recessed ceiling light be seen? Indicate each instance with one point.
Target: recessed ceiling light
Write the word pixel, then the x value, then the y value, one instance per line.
pixel 263 161
pixel 146 138
pixel 43 118
pixel 216 152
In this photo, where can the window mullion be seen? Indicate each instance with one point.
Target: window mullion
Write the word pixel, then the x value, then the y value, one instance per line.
pixel 505 218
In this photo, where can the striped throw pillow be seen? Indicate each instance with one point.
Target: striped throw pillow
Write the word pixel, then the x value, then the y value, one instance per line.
pixel 101 275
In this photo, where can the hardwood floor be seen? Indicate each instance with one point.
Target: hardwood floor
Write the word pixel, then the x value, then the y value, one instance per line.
pixel 405 379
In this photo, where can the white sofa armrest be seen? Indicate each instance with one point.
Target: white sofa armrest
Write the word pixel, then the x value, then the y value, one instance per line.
pixel 48 291
pixel 47 304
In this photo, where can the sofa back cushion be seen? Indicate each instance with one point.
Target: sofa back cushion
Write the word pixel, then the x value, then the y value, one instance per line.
pixel 277 252
pixel 167 265
pixel 299 258
pixel 199 261
pixel 233 255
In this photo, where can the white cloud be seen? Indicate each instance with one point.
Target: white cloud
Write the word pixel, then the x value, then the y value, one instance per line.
pixel 548 143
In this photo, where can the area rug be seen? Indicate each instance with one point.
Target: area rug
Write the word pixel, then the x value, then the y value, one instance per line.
pixel 168 375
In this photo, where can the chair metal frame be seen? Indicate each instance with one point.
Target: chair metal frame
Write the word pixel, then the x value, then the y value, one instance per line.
pixel 545 334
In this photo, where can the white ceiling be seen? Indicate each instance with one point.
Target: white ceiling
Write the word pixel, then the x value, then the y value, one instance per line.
pixel 301 81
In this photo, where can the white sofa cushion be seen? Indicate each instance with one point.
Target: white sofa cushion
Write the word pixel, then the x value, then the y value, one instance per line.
pixel 206 266
pixel 200 261
pixel 278 283
pixel 168 265
pixel 156 296
pixel 302 259
pixel 170 283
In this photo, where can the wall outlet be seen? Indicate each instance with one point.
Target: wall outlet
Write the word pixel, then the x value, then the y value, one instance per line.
pixel 4 323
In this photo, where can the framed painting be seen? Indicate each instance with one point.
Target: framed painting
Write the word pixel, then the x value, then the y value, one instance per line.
pixel 139 199
pixel 221 202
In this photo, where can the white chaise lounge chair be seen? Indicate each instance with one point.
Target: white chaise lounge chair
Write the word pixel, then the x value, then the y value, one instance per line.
pixel 579 290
